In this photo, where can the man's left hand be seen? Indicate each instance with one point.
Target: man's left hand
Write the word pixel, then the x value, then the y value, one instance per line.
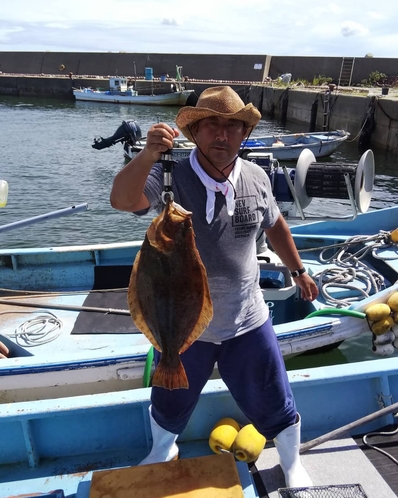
pixel 4 351
pixel 309 289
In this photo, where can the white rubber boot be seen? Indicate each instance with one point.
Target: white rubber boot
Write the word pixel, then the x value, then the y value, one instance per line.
pixel 287 443
pixel 164 446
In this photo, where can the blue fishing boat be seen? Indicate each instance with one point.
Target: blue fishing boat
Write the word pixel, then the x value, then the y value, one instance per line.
pixel 65 319
pixel 282 147
pixel 66 447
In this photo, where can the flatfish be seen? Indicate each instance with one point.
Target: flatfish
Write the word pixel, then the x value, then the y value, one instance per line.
pixel 168 294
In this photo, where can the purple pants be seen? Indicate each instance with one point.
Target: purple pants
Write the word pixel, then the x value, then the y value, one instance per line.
pixel 252 367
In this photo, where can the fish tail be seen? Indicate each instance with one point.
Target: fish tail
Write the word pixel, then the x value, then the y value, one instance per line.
pixel 170 377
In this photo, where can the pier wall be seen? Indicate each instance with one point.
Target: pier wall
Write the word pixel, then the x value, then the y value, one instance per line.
pixel 249 68
pixel 35 86
pixel 353 113
pixel 217 67
pixel 39 86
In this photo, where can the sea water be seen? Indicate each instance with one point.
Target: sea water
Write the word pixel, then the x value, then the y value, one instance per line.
pixel 47 160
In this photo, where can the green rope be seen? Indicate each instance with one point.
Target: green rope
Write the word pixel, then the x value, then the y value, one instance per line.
pixel 148 367
pixel 336 311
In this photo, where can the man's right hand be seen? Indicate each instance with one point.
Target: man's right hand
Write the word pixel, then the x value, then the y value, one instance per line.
pixel 160 138
pixel 127 192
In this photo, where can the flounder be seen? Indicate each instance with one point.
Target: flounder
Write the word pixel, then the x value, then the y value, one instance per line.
pixel 168 294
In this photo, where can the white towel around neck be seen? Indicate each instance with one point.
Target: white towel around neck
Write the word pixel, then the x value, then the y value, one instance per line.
pixel 212 186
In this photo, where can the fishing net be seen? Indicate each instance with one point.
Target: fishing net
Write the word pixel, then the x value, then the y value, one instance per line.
pixel 331 491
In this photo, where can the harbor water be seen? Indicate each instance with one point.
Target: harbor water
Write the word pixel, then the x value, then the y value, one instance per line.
pixel 47 159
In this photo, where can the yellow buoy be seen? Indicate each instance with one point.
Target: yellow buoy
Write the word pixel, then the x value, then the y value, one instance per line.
pixel 248 444
pixel 392 301
pixel 223 435
pixel 381 326
pixel 394 235
pixel 378 311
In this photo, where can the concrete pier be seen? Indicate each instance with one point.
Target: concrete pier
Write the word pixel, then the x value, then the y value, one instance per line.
pixel 356 110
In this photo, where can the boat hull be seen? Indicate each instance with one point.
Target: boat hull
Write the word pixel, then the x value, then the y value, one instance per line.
pixel 112 430
pixel 288 148
pixel 172 99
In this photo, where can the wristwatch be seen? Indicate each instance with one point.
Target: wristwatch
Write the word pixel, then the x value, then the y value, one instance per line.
pixel 297 273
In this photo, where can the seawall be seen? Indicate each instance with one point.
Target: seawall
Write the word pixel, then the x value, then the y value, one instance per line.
pixel 370 117
pixel 45 86
pixel 224 67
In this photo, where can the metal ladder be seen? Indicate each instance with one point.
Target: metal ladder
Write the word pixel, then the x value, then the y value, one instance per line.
pixel 326 110
pixel 346 70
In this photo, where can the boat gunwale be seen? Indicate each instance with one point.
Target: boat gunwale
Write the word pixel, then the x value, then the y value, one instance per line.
pixel 344 373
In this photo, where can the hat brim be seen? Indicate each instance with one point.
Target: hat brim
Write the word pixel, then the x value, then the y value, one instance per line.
pixel 189 115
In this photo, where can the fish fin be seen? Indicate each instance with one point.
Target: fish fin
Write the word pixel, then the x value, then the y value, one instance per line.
pixel 205 318
pixel 135 309
pixel 170 377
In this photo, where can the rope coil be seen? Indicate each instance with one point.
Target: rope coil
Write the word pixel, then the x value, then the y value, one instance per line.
pixel 349 267
pixel 42 329
pixel 380 450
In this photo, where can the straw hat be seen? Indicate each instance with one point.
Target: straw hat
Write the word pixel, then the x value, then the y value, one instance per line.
pixel 219 101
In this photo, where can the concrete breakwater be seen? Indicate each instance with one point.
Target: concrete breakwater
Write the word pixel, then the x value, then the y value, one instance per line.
pixel 227 67
pixel 369 116
pixel 45 86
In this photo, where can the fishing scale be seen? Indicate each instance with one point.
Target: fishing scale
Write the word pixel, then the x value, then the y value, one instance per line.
pixel 167 162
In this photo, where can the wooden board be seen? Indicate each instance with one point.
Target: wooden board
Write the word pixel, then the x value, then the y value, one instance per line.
pixel 214 476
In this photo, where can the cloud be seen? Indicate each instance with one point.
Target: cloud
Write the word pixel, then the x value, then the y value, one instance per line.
pixel 376 15
pixel 177 26
pixel 352 28
pixel 170 22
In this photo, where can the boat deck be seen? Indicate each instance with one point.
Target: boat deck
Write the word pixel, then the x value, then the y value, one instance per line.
pixel 337 469
pixel 336 462
pixel 120 437
pixel 388 443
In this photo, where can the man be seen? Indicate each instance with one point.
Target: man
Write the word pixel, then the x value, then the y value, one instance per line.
pixel 230 200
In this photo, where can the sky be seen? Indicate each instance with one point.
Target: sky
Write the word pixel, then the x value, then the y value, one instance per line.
pixel 343 28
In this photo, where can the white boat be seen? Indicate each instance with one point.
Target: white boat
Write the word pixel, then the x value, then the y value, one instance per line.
pixel 120 93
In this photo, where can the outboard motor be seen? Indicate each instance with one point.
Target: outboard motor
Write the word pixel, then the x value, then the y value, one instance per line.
pixel 128 131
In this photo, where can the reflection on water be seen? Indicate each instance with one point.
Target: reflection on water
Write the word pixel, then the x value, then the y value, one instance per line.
pixel 318 359
pixel 350 351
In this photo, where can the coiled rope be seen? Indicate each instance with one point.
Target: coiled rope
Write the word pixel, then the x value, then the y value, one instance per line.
pixel 42 329
pixel 384 433
pixel 365 441
pixel 349 267
pixel 45 327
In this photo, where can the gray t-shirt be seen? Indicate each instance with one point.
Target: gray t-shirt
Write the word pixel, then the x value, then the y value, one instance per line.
pixel 227 245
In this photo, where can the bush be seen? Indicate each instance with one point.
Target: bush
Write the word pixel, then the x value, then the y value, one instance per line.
pixel 321 80
pixel 375 78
